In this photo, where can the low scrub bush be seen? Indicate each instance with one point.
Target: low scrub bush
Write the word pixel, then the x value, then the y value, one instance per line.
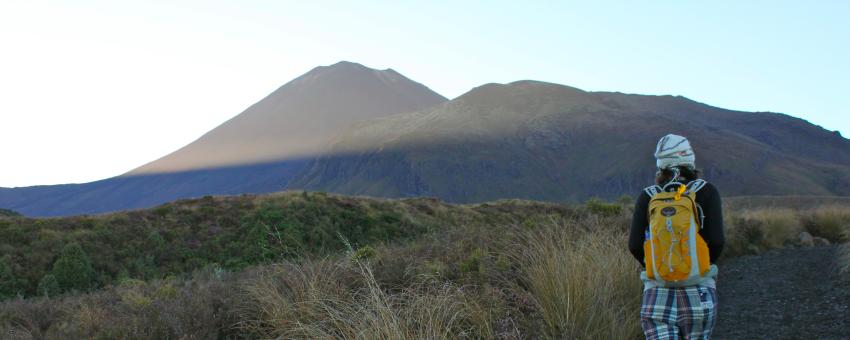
pixel 600 207
pixel 231 232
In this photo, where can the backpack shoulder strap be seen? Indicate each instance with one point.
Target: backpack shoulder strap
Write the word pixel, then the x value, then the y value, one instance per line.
pixel 652 190
pixel 696 185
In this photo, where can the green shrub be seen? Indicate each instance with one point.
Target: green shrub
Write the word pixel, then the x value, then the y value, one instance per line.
pixel 10 285
pixel 364 253
pixel 473 263
pixel 73 269
pixel 48 286
pixel 599 207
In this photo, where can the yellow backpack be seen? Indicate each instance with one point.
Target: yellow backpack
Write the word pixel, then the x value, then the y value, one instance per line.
pixel 675 254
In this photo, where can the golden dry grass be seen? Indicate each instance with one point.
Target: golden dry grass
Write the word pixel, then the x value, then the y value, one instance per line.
pixel 310 301
pixel 830 222
pixel 582 280
pixel 780 224
pixel 585 282
pixel 753 230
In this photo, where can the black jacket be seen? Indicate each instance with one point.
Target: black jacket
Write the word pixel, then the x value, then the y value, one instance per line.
pixel 712 230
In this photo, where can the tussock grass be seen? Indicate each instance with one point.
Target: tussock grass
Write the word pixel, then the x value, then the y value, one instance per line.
pixel 830 222
pixel 780 225
pixel 198 308
pixel 585 282
pixel 309 301
pixel 755 230
pixel 751 231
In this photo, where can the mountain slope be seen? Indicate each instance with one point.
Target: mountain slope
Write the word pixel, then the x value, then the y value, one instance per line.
pixel 546 141
pixel 258 151
pixel 334 129
pixel 296 120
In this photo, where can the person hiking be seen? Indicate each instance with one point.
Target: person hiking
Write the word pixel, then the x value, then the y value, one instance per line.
pixel 677 236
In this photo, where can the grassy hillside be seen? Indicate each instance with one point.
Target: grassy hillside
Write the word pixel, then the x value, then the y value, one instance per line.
pixel 229 233
pixel 510 269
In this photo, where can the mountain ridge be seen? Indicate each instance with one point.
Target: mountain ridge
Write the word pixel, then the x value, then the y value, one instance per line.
pixel 552 132
pixel 525 139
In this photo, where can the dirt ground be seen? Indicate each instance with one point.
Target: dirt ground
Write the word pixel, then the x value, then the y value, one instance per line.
pixel 791 293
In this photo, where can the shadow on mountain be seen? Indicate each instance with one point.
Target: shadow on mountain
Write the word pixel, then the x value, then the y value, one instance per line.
pixel 143 191
pixel 545 141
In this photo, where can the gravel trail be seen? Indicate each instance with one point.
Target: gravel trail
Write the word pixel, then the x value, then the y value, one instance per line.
pixel 792 293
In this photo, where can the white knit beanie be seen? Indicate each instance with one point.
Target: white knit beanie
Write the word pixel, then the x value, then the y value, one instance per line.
pixel 673 150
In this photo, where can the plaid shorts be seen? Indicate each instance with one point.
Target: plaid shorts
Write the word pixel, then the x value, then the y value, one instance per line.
pixel 678 313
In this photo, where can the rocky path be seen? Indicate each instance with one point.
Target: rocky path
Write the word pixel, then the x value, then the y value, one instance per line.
pixel 783 294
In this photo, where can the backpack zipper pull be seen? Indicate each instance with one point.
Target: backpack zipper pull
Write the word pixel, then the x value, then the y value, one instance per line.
pixel 679 192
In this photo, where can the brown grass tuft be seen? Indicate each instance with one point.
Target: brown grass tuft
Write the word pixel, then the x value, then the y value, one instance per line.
pixel 342 299
pixel 830 222
pixel 585 282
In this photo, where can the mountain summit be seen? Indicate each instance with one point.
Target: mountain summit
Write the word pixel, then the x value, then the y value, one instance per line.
pixel 296 120
pixel 258 151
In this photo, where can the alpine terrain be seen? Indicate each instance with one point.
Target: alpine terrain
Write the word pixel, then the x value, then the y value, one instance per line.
pixel 544 141
pixel 350 129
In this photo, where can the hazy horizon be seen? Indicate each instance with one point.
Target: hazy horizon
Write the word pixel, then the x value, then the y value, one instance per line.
pixel 95 88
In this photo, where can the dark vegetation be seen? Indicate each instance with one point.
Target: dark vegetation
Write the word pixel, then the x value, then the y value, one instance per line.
pixel 220 232
pixel 8 213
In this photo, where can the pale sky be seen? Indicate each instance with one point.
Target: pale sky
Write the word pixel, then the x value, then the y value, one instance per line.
pixel 92 89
